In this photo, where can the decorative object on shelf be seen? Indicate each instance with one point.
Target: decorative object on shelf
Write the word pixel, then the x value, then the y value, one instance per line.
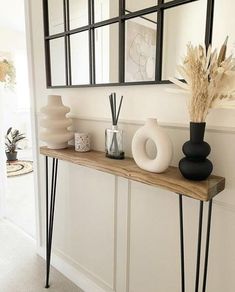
pixel 151 131
pixel 82 142
pixel 12 140
pixel 114 136
pixel 210 83
pixel 55 124
pixel 195 166
pixel 7 73
pixel 19 167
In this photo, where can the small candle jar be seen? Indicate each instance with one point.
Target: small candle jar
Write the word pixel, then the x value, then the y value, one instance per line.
pixel 114 143
pixel 82 142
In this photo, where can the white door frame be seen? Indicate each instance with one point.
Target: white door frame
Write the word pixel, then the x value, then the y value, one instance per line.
pixel 33 113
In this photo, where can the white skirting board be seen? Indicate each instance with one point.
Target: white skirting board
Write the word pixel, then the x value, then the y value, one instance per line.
pixel 77 277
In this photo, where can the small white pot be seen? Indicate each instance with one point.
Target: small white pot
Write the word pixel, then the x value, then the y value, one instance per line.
pixel 82 142
pixel 163 144
pixel 54 123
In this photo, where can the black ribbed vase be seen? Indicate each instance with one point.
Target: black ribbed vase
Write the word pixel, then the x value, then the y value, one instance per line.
pixel 195 165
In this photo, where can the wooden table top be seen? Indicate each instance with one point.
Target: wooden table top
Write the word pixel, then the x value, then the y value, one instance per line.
pixel 170 180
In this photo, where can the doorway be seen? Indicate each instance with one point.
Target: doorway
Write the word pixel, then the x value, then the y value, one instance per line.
pixel 18 190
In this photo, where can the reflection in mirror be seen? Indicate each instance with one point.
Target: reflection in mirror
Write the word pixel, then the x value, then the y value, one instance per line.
pixel 57 53
pixel 140 50
pixel 79 44
pixel 78 13
pixel 56 16
pixel 133 5
pixel 106 54
pixel 106 9
pixel 182 24
pixel 224 28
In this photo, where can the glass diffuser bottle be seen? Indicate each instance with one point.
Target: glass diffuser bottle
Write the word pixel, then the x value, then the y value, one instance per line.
pixel 113 135
pixel 114 143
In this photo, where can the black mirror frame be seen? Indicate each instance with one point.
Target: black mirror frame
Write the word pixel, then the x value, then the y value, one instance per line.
pixel 160 8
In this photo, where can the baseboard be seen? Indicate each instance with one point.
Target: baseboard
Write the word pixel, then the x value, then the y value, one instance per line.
pixel 77 277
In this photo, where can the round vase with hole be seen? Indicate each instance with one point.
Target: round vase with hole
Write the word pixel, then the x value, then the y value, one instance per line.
pixel 151 131
pixel 195 165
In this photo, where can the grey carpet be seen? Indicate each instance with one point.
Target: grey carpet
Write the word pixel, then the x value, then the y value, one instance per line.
pixel 21 270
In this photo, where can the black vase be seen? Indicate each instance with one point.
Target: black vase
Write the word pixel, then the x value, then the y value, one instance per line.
pixel 195 165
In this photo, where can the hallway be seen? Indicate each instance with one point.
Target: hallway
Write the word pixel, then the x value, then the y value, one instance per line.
pixel 21 269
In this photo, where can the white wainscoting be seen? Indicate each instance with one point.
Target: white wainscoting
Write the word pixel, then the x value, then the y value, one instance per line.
pixel 115 235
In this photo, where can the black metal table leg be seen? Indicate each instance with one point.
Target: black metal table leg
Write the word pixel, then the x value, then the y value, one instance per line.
pixel 207 246
pixel 182 243
pixel 50 214
pixel 199 245
pixel 47 257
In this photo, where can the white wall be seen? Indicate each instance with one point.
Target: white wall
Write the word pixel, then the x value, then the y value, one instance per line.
pixel 120 235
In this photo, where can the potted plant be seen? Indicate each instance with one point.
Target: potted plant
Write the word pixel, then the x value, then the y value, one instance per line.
pixel 209 83
pixel 12 139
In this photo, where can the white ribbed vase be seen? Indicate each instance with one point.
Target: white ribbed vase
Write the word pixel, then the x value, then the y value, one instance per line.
pixel 163 144
pixel 54 123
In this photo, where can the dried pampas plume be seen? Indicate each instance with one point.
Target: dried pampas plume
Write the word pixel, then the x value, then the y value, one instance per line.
pixel 209 80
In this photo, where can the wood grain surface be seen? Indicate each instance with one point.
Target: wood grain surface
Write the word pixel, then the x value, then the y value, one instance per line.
pixel 171 179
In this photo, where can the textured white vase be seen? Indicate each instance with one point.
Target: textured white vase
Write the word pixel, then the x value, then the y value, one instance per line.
pixel 54 123
pixel 151 131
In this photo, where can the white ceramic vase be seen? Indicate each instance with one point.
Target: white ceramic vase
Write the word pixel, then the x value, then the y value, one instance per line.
pixel 54 123
pixel 151 131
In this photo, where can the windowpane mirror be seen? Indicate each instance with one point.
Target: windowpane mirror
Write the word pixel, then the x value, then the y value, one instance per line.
pixel 124 42
pixel 79 44
pixel 221 29
pixel 78 13
pixel 106 54
pixel 133 5
pixel 56 16
pixel 57 53
pixel 140 51
pixel 182 25
pixel 106 9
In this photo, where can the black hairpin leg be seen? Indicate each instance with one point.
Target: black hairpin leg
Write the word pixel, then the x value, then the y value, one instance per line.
pixel 50 214
pixel 207 246
pixel 199 244
pixel 182 243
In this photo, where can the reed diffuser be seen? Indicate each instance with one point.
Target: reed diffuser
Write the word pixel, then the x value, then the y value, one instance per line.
pixel 114 136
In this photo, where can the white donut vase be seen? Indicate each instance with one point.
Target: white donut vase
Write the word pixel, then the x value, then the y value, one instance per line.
pixel 151 131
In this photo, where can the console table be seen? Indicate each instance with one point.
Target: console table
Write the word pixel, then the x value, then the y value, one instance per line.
pixel 171 180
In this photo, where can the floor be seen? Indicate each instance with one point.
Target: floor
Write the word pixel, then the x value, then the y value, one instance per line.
pixel 20 198
pixel 21 269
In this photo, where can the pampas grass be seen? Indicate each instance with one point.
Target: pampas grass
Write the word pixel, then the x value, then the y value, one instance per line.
pixel 209 80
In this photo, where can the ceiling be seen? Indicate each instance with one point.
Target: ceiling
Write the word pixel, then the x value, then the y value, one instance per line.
pixel 12 14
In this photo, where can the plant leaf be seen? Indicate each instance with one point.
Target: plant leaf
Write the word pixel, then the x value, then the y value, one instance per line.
pixel 9 130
